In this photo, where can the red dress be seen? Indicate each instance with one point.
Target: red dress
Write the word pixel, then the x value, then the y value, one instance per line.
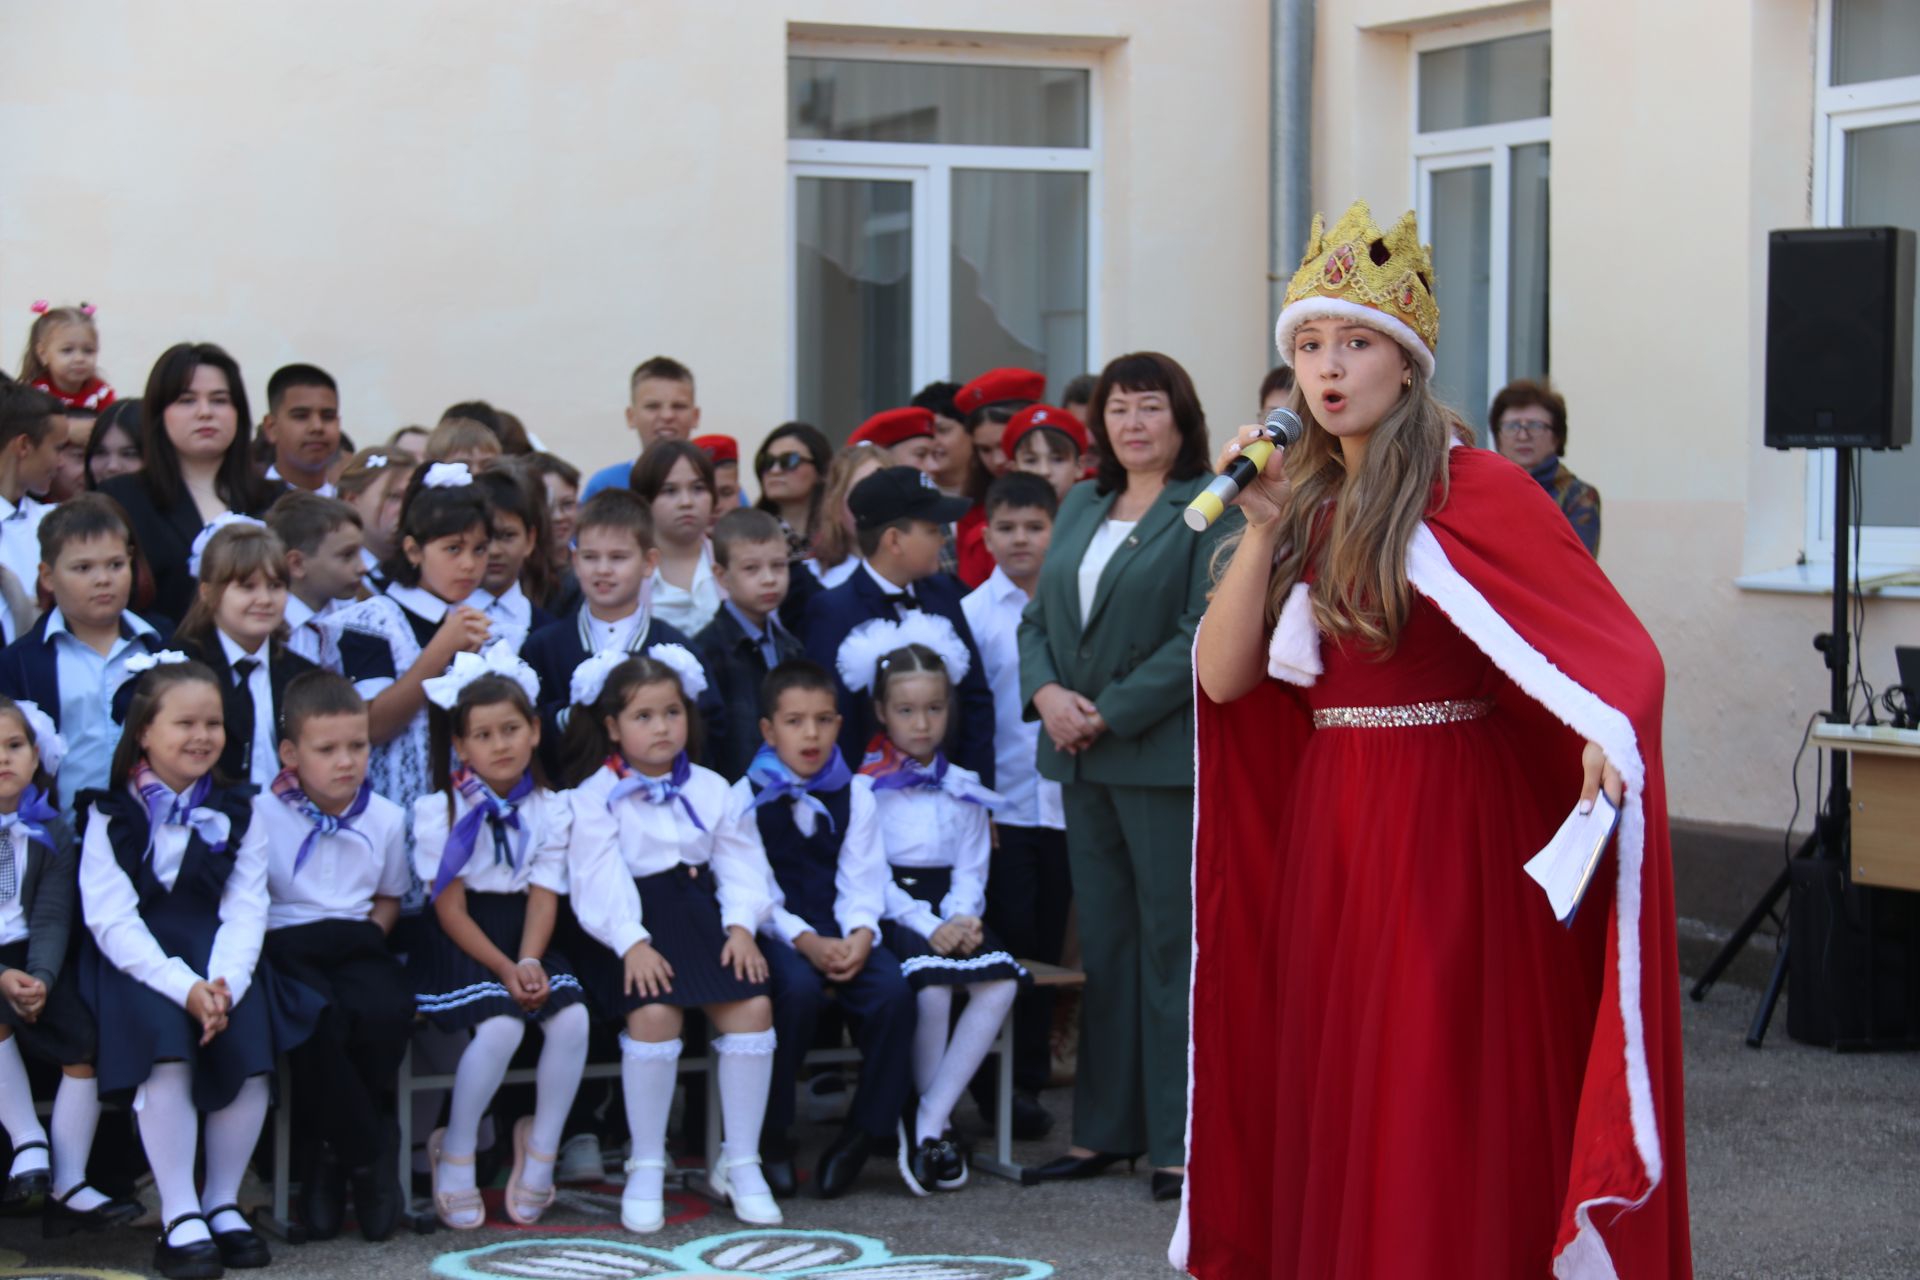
pixel 1402 1064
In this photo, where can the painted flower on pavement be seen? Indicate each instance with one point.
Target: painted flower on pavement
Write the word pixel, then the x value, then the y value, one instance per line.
pixel 741 1255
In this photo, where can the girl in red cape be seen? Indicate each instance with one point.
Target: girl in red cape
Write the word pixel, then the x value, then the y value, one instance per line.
pixel 1402 1063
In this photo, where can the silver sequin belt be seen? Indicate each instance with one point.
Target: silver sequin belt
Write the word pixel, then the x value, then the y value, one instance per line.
pixel 1404 716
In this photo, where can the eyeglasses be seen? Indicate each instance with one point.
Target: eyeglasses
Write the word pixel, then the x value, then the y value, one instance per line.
pixel 787 462
pixel 1522 428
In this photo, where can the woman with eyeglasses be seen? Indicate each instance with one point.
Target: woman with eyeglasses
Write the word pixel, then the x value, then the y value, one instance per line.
pixel 1529 422
pixel 791 468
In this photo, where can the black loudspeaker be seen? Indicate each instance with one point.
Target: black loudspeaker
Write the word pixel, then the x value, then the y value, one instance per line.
pixel 1840 338
pixel 1855 978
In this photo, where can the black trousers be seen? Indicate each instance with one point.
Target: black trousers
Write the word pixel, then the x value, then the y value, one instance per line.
pixel 344 1075
pixel 1029 896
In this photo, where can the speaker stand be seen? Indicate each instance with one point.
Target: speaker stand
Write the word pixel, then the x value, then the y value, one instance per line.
pixel 1829 837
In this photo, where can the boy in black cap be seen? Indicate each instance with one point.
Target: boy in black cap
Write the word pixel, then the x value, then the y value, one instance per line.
pixel 900 520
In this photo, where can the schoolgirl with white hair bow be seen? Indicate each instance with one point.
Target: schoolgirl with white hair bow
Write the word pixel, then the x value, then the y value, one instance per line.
pixel 672 882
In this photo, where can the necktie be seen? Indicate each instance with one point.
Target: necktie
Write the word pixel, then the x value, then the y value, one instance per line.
pixel 243 706
pixel 9 877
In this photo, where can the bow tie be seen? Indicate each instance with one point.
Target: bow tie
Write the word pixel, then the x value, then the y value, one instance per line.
pixel 31 817
pixel 167 808
pixel 776 781
pixel 489 809
pixel 653 790
pixel 287 788
pixel 901 600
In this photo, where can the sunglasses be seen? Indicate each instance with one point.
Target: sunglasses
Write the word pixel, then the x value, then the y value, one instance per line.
pixel 787 462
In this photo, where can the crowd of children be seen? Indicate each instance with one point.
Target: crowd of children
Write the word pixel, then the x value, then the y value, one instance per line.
pixel 326 753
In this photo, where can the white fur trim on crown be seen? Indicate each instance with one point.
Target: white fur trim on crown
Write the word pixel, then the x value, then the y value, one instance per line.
pixel 1293 655
pixel 225 520
pixel 447 475
pixel 498 659
pixel 590 677
pixel 1319 308
pixel 52 747
pixel 693 676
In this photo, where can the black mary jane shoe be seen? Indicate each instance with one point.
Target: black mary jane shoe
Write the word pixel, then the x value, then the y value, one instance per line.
pixel 841 1163
pixel 197 1261
pixel 241 1249
pixel 1069 1168
pixel 26 1193
pixel 60 1220
pixel 1168 1186
pixel 950 1164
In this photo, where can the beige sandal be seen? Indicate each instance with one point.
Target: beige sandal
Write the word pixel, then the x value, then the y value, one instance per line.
pixel 447 1204
pixel 524 1206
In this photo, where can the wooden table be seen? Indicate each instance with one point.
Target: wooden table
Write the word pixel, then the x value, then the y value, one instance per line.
pixel 1885 801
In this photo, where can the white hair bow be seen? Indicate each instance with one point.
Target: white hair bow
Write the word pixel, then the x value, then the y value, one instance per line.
pixel 590 677
pixel 375 461
pixel 219 522
pixel 693 676
pixel 498 659
pixel 141 663
pixel 53 747
pixel 870 642
pixel 447 475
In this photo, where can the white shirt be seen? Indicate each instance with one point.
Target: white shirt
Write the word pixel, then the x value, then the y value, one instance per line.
pixel 510 612
pixel 345 871
pixel 370 569
pixel 327 488
pixel 13 912
pixel 689 608
pixel 610 850
pixel 1106 540
pixel 88 680
pixel 926 827
pixel 540 846
pixel 263 760
pixel 111 905
pixel 20 548
pixel 602 636
pixel 859 880
pixel 993 615
pixel 307 634
pixel 838 574
pixel 880 581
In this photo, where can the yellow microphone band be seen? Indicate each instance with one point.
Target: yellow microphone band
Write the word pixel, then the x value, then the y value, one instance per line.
pixel 1204 510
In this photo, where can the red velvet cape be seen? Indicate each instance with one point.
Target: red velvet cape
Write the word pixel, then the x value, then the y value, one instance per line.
pixel 1500 560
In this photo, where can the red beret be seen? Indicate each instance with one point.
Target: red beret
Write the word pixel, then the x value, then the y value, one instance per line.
pixel 719 449
pixel 996 385
pixel 1036 416
pixel 893 427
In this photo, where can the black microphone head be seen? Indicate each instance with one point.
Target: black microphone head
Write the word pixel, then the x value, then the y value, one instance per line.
pixel 1284 425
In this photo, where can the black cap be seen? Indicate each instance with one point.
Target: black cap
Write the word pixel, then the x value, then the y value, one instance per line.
pixel 902 493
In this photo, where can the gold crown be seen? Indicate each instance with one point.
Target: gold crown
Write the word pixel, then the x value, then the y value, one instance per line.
pixel 1356 262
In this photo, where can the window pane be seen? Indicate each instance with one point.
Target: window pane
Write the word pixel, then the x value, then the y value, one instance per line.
pixel 851 100
pixel 1883 189
pixel 854 291
pixel 1527 262
pixel 1019 290
pixel 1486 83
pixel 1462 281
pixel 1875 40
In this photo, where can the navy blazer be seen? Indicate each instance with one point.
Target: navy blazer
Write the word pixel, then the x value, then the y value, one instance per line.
pixel 555 650
pixel 834 613
pixel 236 759
pixel 30 669
pixel 736 668
pixel 164 535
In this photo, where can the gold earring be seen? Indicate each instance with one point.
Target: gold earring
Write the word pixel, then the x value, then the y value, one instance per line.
pixel 1407 381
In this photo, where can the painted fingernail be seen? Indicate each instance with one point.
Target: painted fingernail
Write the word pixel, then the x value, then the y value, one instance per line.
pixel 1586 806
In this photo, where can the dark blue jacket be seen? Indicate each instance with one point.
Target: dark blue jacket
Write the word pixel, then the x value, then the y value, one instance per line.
pixel 556 649
pixel 30 669
pixel 737 668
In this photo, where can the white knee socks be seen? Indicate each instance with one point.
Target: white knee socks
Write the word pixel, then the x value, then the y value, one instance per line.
pixel 647 1072
pixel 232 1133
pixel 475 1081
pixel 745 1066
pixel 16 1110
pixel 556 1081
pixel 170 1130
pixel 973 1037
pixel 76 1114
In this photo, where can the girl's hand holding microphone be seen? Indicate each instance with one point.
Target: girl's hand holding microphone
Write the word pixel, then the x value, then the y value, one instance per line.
pixel 1261 500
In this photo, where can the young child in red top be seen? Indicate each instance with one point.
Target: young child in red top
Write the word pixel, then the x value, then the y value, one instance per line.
pixel 63 347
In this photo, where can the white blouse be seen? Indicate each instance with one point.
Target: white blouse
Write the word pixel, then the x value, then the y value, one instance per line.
pixel 688 608
pixel 111 905
pixel 1100 548
pixel 345 872
pixel 860 878
pixel 510 612
pixel 925 827
pixel 540 846
pixel 611 849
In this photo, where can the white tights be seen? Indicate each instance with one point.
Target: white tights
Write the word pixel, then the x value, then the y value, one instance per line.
pixel 169 1130
pixel 556 1079
pixel 942 1065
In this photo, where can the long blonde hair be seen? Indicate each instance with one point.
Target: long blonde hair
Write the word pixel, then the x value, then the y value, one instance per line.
pixel 1352 529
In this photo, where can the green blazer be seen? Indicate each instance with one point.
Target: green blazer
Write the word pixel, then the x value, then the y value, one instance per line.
pixel 1133 654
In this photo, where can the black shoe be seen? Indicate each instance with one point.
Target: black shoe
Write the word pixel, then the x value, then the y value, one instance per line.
pixel 376 1200
pixel 26 1193
pixel 1167 1186
pixel 918 1164
pixel 240 1249
pixel 60 1220
pixel 323 1198
pixel 1068 1168
pixel 841 1163
pixel 776 1164
pixel 197 1261
pixel 950 1168
pixel 1031 1121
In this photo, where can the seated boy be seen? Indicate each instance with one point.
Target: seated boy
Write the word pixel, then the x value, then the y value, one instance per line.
pixel 75 657
pixel 900 519
pixel 817 822
pixel 1028 885
pixel 745 640
pixel 324 538
pixel 336 870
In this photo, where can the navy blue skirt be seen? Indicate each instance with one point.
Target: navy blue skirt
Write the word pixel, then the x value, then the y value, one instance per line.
pixel 63 1033
pixel 681 910
pixel 922 965
pixel 455 991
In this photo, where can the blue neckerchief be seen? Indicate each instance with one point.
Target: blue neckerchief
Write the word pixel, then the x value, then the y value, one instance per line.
pixel 653 790
pixel 166 808
pixel 287 788
pixel 777 782
pixel 489 809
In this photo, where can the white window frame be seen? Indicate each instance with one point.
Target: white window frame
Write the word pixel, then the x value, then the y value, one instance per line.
pixel 930 166
pixel 1491 145
pixel 1838 111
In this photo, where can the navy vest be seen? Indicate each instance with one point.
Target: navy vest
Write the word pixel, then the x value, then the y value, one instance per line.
pixel 805 866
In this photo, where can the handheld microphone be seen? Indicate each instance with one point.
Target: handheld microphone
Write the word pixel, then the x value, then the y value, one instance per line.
pixel 1283 428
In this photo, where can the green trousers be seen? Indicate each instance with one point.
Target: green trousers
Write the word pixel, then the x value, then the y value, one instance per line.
pixel 1131 850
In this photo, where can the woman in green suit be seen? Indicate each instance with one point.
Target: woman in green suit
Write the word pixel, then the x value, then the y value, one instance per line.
pixel 1106 664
